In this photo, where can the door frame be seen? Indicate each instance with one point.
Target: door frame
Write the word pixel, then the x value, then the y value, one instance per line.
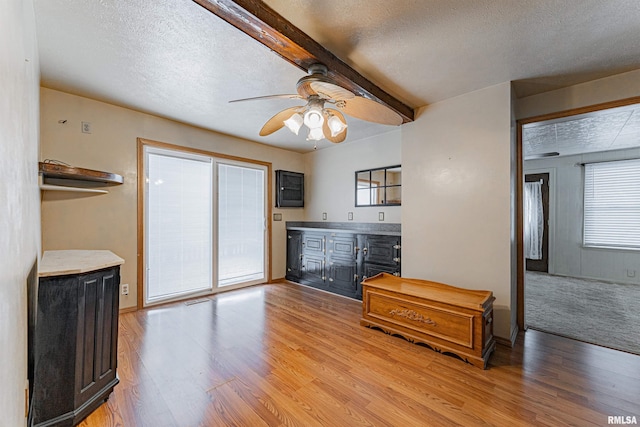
pixel 520 264
pixel 141 143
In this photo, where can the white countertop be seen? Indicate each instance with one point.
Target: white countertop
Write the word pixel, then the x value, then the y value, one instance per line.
pixel 60 263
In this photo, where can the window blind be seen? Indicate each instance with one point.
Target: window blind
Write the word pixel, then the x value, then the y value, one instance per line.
pixel 241 224
pixel 612 204
pixel 179 230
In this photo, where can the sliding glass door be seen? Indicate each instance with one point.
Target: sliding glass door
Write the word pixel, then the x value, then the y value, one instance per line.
pixel 204 224
pixel 241 224
pixel 178 226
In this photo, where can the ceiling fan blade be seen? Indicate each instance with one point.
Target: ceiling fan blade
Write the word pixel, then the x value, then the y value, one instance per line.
pixel 331 91
pixel 277 122
pixel 258 98
pixel 327 131
pixel 371 111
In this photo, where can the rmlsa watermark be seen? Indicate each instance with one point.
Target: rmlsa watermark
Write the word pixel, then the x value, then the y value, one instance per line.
pixel 622 419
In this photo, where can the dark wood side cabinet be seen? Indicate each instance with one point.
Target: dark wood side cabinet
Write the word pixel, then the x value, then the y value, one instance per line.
pixel 338 260
pixel 380 254
pixel 75 340
pixel 289 189
pixel 294 254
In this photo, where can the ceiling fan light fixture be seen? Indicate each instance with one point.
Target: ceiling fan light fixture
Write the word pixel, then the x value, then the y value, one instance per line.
pixel 314 118
pixel 336 125
pixel 315 134
pixel 294 123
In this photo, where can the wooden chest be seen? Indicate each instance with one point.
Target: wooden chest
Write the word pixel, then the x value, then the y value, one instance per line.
pixel 447 319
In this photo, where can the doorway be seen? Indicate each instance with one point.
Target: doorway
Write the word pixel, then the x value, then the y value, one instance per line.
pixel 582 277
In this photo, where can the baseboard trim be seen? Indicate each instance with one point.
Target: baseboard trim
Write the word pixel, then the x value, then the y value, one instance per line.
pixel 128 310
pixel 503 341
pixel 321 290
pixel 509 342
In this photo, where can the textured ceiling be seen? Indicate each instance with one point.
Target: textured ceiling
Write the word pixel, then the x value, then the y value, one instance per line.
pixel 612 129
pixel 176 60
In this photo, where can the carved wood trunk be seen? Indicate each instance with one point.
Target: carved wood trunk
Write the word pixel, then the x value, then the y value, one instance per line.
pixel 449 320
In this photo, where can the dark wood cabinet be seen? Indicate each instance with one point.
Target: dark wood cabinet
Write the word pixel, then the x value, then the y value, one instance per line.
pixel 75 348
pixel 381 254
pixel 338 261
pixel 314 262
pixel 343 264
pixel 313 270
pixel 294 255
pixel 289 189
pixel 343 279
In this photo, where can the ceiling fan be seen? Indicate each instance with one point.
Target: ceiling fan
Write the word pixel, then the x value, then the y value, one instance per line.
pixel 323 122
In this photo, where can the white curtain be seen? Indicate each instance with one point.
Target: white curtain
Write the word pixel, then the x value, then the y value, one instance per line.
pixel 533 220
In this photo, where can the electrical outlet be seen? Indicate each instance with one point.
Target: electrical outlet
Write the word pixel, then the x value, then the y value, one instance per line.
pixel 631 273
pixel 324 216
pixel 124 289
pixel 86 127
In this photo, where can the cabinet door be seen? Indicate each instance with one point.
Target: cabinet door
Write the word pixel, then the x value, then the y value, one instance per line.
pixel 381 249
pixel 55 349
pixel 342 246
pixel 313 270
pixel 97 333
pixel 343 278
pixel 314 259
pixel 289 189
pixel 294 254
pixel 371 270
pixel 314 244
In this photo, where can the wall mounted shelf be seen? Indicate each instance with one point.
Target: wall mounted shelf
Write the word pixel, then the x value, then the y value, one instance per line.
pixel 57 177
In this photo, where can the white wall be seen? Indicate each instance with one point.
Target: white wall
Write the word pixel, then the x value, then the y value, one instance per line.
pixel 457 222
pixel 567 255
pixel 19 198
pixel 330 178
pixel 78 221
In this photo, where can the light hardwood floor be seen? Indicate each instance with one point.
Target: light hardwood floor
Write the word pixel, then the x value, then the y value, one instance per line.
pixel 287 355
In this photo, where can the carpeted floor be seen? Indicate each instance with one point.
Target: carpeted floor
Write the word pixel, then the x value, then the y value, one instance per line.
pixel 602 313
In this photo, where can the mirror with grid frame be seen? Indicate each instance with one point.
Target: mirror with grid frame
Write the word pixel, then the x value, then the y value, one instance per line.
pixel 379 186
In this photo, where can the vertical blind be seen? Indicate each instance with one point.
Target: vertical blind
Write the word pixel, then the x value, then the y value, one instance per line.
pixel 612 204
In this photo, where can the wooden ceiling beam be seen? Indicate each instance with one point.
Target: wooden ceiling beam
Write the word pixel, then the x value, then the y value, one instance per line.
pixel 259 21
